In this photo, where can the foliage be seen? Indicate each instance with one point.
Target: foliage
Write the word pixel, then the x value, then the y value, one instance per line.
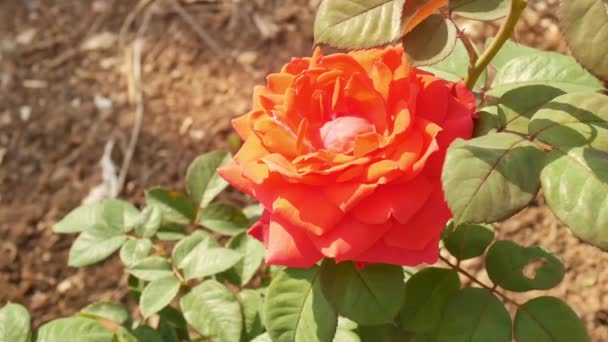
pixel 543 124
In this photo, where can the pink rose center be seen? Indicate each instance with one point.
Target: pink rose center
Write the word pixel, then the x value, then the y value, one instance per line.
pixel 339 135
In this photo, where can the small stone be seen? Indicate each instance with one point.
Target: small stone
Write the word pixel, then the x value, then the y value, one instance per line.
pixel 186 124
pixel 64 286
pixel 197 134
pixel 103 40
pixel 102 103
pixel 247 57
pixel 25 112
pixel 26 37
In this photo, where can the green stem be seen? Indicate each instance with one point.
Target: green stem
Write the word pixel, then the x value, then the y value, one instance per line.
pixel 506 30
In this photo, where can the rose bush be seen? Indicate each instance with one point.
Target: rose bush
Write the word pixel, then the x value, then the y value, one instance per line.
pixel 345 154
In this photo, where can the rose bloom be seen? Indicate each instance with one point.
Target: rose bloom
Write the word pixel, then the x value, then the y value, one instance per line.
pixel 345 153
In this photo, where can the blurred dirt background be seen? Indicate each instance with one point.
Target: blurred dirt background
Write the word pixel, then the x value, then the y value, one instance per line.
pixel 68 98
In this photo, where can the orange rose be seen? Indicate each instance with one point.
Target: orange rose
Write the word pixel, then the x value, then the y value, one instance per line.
pixel 345 153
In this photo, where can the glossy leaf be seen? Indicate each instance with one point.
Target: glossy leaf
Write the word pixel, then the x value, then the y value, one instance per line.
pixel 186 245
pixel 426 293
pixel 253 212
pixel 455 66
pixel 172 325
pixel 480 9
pixel 518 268
pixel 575 185
pixel 175 207
pixel 491 177
pixel 151 268
pixel 223 219
pixel 115 215
pixel 431 41
pixel 251 305
pixel 516 107
pixel 548 319
pixel 149 221
pixel 572 120
pixel 510 50
pixel 585 25
pixel 74 329
pixel 253 253
pixel 92 247
pixel 372 295
pixel 144 333
pixel 474 315
pixel 468 241
pixel 262 338
pixel 203 261
pixel 15 323
pixel 114 312
pixel 358 23
pixel 213 311
pixel 158 294
pixel 548 68
pixel 80 219
pixel 487 122
pixel 134 250
pixel 202 181
pixel 296 308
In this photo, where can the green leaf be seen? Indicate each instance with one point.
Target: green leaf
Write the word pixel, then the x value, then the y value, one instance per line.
pixel 224 219
pixel 431 41
pixel 203 261
pixel 585 25
pixel 474 315
pixel 426 293
pixel 382 333
pixel 262 338
pixel 548 319
pixel 151 268
pixel 468 241
pixel 202 181
pixel 115 215
pixel 171 232
pixel 253 253
pixel 14 323
pixel 548 68
pixel 369 296
pixel 510 50
pixel 92 247
pixel 78 220
pixel 572 120
pixel 123 335
pixel 107 310
pixel 158 294
pixel 575 185
pixel 148 222
pixel 172 325
pixel 296 308
pixel 213 311
pixel 344 335
pixel 146 334
pixel 358 23
pixel 253 212
pixel 488 121
pixel 175 207
pixel 455 66
pixel 517 106
pixel 74 329
pixel 134 250
pixel 480 9
pixel 187 244
pixel 491 177
pixel 251 304
pixel 518 268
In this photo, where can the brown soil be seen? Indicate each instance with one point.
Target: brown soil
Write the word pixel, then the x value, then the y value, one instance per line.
pixel 55 121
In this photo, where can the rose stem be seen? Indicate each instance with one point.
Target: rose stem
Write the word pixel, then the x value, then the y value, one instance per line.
pixel 505 31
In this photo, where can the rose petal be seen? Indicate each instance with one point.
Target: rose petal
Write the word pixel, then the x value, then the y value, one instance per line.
pixel 347 195
pixel 401 201
pixel 289 246
pixel 387 254
pixel 349 238
pixel 427 224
